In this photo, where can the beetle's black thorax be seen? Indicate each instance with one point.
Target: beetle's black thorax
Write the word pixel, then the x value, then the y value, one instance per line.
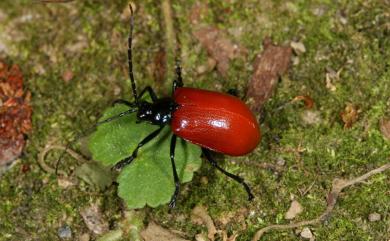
pixel 158 112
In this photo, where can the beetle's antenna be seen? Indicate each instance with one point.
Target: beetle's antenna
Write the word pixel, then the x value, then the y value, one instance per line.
pixel 178 72
pixel 178 53
pixel 115 117
pixel 130 56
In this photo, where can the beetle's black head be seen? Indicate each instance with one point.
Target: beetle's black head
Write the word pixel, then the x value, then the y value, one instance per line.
pixel 156 113
pixel 144 112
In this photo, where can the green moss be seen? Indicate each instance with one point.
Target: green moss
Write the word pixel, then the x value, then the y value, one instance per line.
pixel 345 36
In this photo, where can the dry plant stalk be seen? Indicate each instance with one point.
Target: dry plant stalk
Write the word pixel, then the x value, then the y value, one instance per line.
pixel 337 186
pixel 49 147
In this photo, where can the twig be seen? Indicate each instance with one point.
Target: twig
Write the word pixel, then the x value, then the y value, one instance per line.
pixel 337 186
pixel 49 147
pixel 169 31
pixel 172 45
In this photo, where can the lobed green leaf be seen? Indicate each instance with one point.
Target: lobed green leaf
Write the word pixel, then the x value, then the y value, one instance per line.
pixel 148 180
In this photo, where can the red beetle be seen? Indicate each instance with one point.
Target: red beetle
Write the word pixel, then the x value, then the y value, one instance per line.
pixel 215 121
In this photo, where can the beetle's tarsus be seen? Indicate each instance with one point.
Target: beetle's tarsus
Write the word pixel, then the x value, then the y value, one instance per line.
pixel 250 195
pixel 172 203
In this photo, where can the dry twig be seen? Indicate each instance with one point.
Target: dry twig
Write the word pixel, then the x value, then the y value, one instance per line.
pixel 337 186
pixel 49 147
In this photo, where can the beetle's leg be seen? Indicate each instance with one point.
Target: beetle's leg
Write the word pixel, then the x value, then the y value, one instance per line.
pixel 232 176
pixel 148 89
pixel 129 159
pixel 178 82
pixel 172 203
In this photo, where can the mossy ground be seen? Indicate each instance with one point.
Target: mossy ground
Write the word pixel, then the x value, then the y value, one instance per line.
pixel 89 38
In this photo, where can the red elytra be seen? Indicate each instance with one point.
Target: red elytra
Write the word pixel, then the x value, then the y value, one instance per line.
pixel 216 121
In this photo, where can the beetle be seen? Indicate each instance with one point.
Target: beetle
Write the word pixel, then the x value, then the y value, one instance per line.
pixel 217 122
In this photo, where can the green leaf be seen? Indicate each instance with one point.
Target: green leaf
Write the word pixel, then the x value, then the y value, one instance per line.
pixel 148 180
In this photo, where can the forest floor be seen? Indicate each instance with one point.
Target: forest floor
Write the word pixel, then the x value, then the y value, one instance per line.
pixel 73 56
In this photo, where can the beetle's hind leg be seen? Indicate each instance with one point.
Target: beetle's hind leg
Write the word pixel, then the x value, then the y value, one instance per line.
pixel 129 159
pixel 236 178
pixel 172 203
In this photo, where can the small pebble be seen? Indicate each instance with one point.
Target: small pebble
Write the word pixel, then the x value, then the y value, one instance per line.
pixel 373 217
pixel 65 232
pixel 204 180
pixel 85 237
pixel 201 237
pixel 343 20
pixel 311 117
pixel 295 60
pixel 294 210
pixel 319 10
pixel 93 218
pixel 201 69
pixel 306 234
pixel 280 161
pixel 298 47
pixel 117 90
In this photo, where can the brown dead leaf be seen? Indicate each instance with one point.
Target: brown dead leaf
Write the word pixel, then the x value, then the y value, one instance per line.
pixel 215 41
pixel 155 232
pixel 200 216
pixel 309 102
pixel 294 210
pixel 219 47
pixel 268 67
pixel 349 115
pixel 385 128
pixel 15 113
pixel 238 216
